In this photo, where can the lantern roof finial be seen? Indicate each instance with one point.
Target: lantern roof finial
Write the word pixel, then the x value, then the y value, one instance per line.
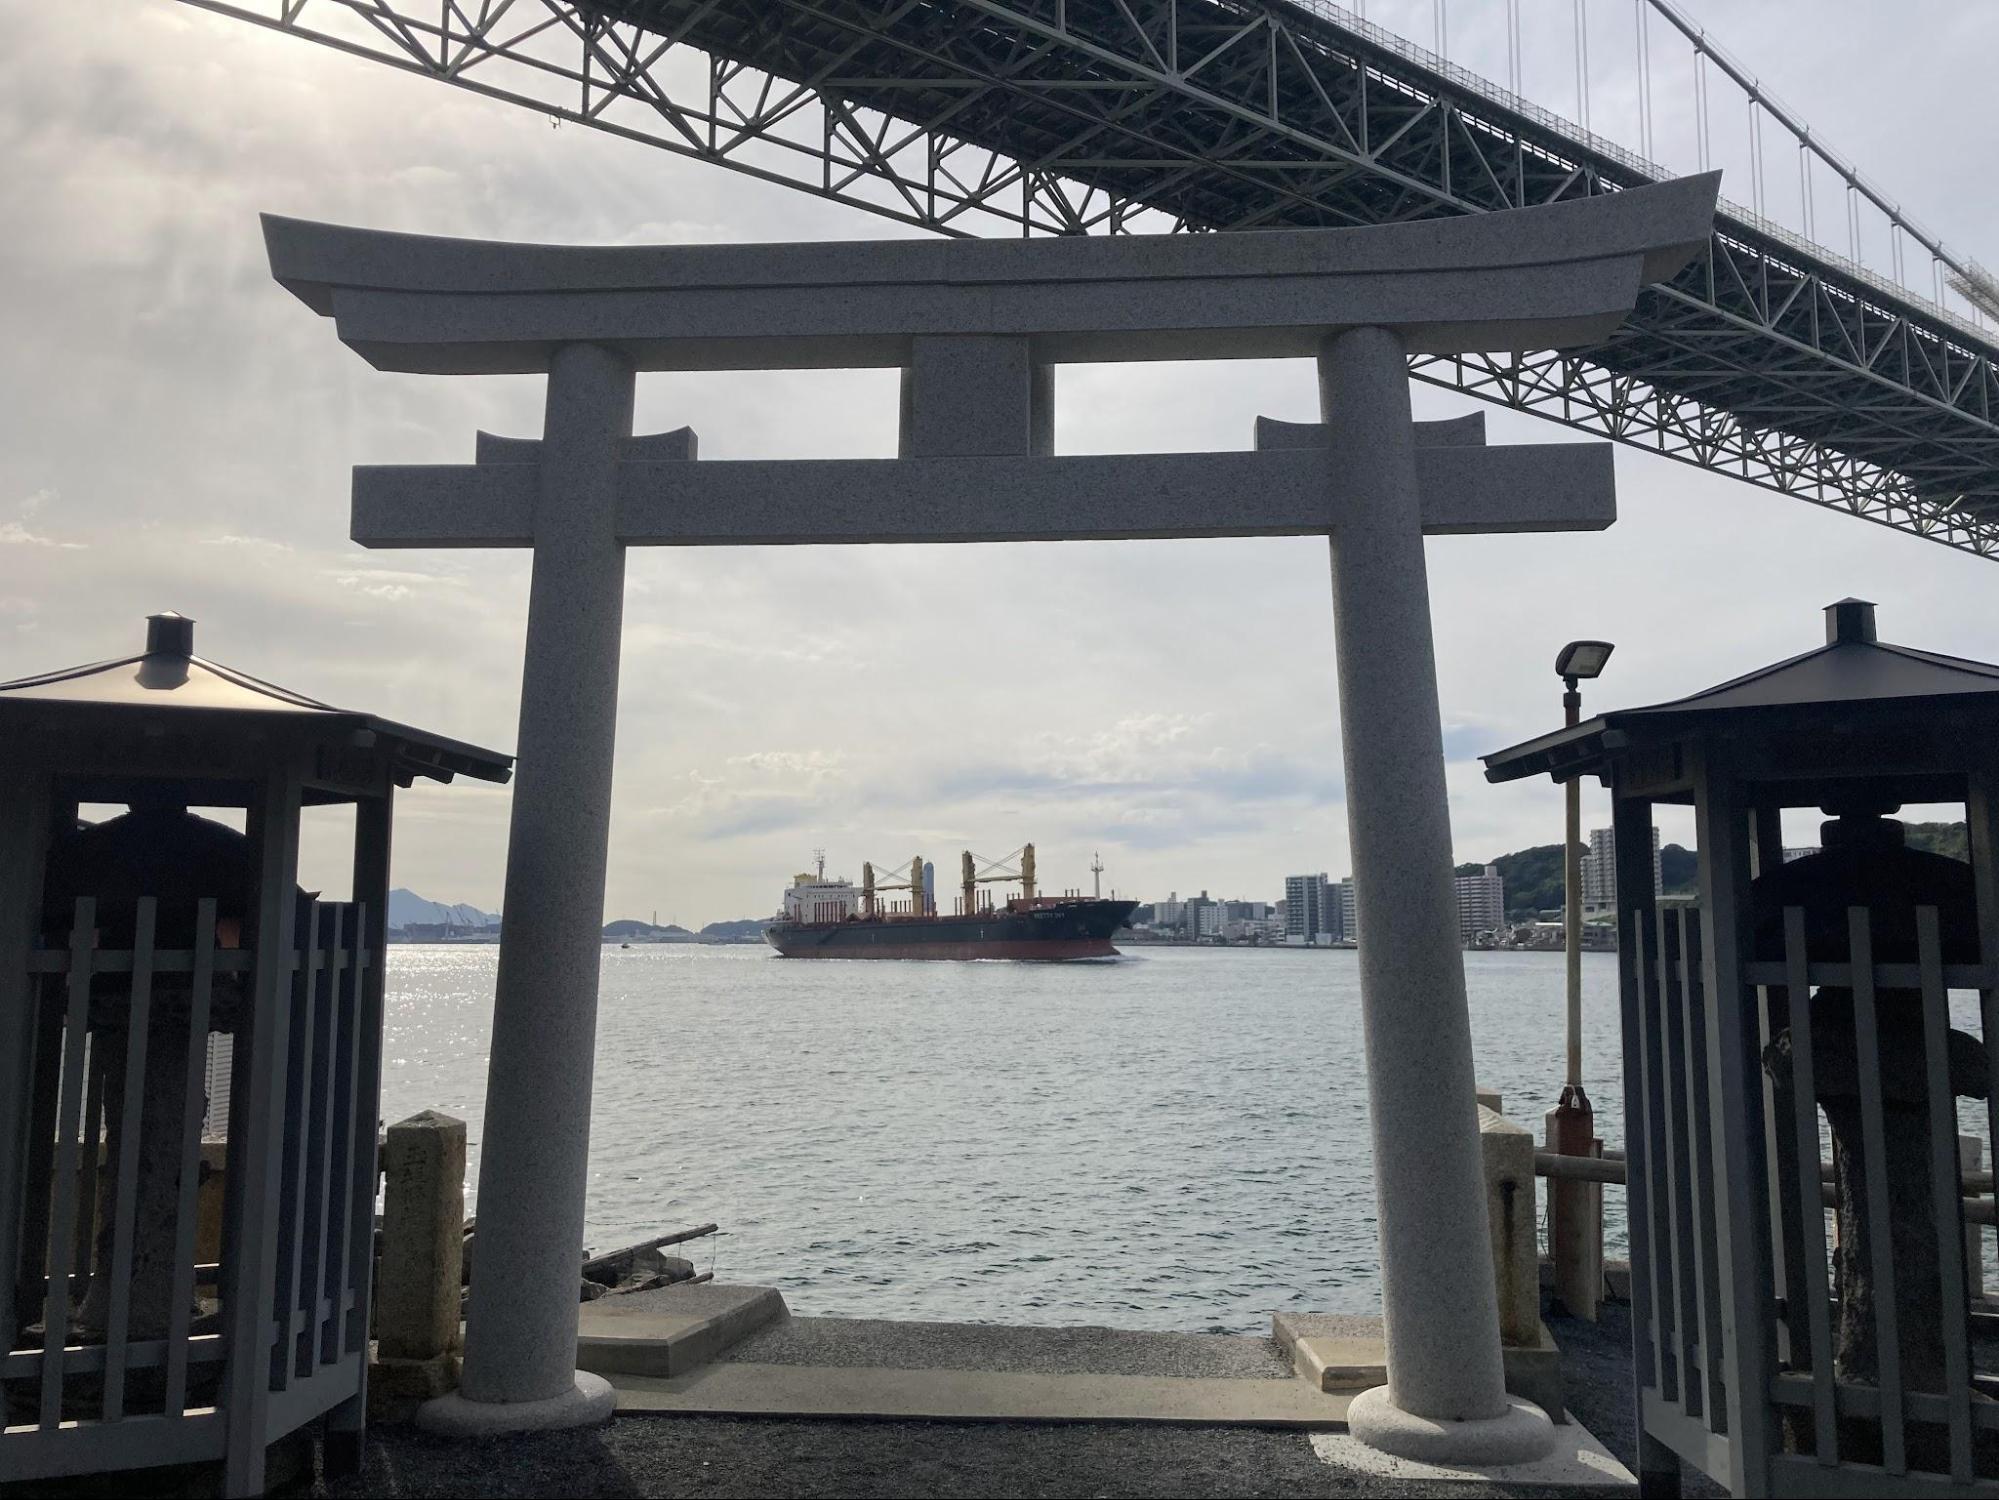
pixel 169 634
pixel 1849 619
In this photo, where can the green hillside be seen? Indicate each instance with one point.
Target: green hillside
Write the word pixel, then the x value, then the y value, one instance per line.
pixel 1534 876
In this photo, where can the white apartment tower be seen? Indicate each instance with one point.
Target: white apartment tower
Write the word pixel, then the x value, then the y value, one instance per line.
pixel 1600 868
pixel 1306 918
pixel 1481 903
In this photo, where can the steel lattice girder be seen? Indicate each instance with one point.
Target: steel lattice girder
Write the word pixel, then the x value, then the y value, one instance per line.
pixel 1762 360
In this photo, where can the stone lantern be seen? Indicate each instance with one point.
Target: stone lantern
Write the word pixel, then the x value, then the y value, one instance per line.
pixel 168 1299
pixel 1799 1003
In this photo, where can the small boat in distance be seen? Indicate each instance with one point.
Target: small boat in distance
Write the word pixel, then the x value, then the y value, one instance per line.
pixel 823 918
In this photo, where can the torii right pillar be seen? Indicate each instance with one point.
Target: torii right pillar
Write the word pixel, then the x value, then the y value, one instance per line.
pixel 1446 1394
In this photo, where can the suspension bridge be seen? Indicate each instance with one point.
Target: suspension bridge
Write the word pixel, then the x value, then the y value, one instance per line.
pixel 1862 379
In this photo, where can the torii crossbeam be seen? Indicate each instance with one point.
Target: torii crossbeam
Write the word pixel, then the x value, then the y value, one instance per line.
pixel 975 327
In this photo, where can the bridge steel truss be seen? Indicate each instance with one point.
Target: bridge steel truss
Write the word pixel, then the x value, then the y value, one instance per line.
pixel 1768 359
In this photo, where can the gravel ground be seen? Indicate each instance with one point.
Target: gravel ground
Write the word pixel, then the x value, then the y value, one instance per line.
pixel 718 1456
pixel 1596 1384
pixel 869 1343
pixel 705 1456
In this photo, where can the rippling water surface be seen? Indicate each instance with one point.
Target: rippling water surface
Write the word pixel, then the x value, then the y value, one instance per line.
pixel 1176 1139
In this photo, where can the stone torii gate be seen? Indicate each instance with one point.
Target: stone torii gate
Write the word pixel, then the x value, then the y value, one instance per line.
pixel 976 327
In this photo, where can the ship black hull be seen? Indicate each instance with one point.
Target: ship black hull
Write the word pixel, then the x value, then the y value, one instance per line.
pixel 1060 930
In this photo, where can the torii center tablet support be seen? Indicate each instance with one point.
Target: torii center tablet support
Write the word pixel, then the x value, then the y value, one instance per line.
pixel 975 327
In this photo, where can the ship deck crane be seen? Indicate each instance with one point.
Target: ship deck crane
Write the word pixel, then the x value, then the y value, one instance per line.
pixel 914 885
pixel 975 873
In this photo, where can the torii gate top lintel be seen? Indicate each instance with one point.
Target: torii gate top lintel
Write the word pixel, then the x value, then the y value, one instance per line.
pixel 1538 278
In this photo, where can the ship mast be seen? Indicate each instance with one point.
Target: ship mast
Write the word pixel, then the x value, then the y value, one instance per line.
pixel 1097 875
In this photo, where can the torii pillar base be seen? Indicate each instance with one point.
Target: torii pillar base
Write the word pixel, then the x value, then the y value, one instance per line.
pixel 589 1403
pixel 1520 1435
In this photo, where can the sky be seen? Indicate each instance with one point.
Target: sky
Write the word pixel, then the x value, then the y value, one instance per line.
pixel 177 432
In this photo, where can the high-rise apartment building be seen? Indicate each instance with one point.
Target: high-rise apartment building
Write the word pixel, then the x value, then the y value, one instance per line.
pixel 215 1078
pixel 1305 909
pixel 1600 868
pixel 1349 914
pixel 1201 918
pixel 1481 903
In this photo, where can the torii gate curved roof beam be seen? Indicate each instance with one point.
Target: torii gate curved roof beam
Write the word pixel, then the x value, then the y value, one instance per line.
pixel 1540 278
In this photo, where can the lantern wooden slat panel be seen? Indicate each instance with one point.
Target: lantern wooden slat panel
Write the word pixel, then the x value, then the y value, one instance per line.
pixel 92 1157
pixel 142 1354
pixel 1701 1039
pixel 331 1107
pixel 125 1146
pixel 62 1238
pixel 1874 1167
pixel 347 1212
pixel 185 1208
pixel 1639 1067
pixel 300 1118
pixel 1680 1215
pixel 1676 1288
pixel 340 1183
pixel 1944 1192
pixel 1810 1205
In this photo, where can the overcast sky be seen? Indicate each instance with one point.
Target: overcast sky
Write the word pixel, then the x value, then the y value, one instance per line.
pixel 176 432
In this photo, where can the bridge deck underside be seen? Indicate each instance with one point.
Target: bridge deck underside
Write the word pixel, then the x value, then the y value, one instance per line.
pixel 1760 360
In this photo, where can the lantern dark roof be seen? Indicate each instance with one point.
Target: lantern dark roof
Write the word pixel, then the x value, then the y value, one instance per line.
pixel 168 678
pixel 1853 679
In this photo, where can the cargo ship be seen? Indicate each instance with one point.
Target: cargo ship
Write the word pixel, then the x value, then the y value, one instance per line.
pixel 823 918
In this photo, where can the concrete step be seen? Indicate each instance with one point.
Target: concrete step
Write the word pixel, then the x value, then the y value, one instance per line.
pixel 1333 1352
pixel 734 1388
pixel 671 1330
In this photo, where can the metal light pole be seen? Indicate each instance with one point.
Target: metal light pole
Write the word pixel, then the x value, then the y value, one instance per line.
pixel 1575 1218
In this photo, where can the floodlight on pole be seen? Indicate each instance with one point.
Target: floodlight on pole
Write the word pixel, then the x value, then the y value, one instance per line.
pixel 1582 659
pixel 1575 1230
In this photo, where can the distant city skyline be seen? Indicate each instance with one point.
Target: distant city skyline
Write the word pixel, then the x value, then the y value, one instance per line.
pixel 181 438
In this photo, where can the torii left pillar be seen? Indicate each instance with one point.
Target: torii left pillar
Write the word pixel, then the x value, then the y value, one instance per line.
pixel 520 1345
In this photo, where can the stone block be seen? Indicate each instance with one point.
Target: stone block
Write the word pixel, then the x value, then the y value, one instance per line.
pixel 1345 1352
pixel 672 1330
pixel 1534 1371
pixel 397 1387
pixel 423 1235
pixel 1508 1152
pixel 1333 1351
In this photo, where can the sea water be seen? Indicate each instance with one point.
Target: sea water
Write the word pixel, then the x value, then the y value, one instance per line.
pixel 1174 1139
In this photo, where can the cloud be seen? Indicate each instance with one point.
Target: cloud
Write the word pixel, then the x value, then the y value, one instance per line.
pixel 14 534
pixel 810 765
pixel 390 584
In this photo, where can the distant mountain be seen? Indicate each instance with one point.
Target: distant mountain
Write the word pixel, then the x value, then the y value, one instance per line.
pixel 746 930
pixel 632 927
pixel 406 907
